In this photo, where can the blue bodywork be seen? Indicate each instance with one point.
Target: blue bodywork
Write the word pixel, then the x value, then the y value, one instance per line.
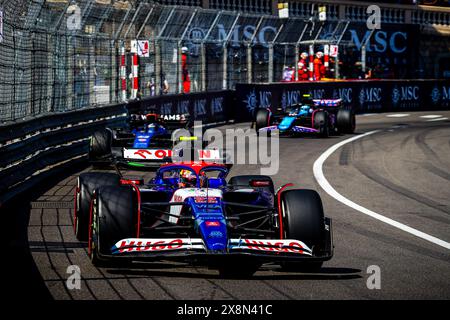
pixel 144 135
pixel 208 211
pixel 287 123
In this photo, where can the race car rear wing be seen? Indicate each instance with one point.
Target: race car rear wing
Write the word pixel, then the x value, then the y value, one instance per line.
pixel 327 102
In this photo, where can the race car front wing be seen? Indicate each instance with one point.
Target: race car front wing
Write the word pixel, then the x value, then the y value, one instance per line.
pixel 264 250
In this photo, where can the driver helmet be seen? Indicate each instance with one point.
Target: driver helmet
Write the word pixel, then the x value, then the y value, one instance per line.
pixel 187 179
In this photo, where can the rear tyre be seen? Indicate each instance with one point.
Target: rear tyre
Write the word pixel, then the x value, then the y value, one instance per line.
pixel 346 121
pixel 321 123
pixel 86 184
pixel 100 145
pixel 303 220
pixel 114 218
pixel 262 119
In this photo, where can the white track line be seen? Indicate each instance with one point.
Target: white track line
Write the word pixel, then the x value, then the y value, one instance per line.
pixel 431 116
pixel 438 119
pixel 323 182
pixel 398 115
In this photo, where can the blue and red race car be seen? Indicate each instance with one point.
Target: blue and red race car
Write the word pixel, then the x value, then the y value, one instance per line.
pixel 146 141
pixel 323 117
pixel 189 211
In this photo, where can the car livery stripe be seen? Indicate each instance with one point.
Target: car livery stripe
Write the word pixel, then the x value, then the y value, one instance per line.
pixel 157 245
pixel 277 246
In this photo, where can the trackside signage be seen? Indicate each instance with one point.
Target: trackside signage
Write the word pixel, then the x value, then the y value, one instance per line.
pixel 363 95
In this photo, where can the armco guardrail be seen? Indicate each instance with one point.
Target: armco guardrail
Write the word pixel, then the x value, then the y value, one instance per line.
pixel 362 95
pixel 32 150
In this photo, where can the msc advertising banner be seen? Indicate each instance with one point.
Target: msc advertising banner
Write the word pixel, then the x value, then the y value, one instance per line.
pixel 362 96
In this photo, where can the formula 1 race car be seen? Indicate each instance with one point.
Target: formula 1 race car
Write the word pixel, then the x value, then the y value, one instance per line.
pixel 146 141
pixel 323 117
pixel 190 212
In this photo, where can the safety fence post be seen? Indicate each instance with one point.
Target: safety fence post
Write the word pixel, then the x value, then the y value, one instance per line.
pixel 311 62
pixel 271 56
pixel 70 66
pixel 249 63
pixel 123 73
pixel 297 54
pixel 225 68
pixel 158 69
pixel 91 72
pixel 203 67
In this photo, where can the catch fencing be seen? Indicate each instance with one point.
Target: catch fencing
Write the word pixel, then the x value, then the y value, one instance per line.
pixel 61 55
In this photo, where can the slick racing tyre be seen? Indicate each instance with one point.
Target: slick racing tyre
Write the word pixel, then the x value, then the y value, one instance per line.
pixel 114 218
pixel 303 220
pixel 345 120
pixel 321 123
pixel 242 182
pixel 86 184
pixel 100 145
pixel 262 119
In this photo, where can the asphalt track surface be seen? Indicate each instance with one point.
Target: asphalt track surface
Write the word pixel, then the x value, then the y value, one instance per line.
pixel 401 172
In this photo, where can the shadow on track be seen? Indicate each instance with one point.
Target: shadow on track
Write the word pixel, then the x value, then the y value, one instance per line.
pixel 328 273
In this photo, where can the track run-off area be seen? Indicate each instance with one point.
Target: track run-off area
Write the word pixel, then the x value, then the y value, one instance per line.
pixel 387 189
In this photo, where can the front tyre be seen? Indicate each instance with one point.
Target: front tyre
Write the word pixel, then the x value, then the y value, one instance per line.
pixel 303 220
pixel 100 144
pixel 86 184
pixel 321 123
pixel 114 218
pixel 262 119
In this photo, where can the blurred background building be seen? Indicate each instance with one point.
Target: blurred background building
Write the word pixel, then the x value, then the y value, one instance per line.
pixel 58 55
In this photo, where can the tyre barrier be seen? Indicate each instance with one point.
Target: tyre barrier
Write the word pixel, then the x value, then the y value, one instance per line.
pixel 33 150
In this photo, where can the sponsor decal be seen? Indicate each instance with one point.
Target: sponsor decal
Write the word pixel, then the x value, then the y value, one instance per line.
pixel 279 246
pixel 251 102
pixel 133 245
pixel 212 223
pixel 146 154
pixel 173 117
pixel 217 105
pixel 408 96
pixel 290 98
pixel 215 234
pixel 381 41
pixel 209 154
pixel 206 200
pixel 182 194
pixel 200 107
pixel 157 245
pixel 371 97
pixel 345 94
pixel 435 95
pixel 264 101
pixel 395 95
